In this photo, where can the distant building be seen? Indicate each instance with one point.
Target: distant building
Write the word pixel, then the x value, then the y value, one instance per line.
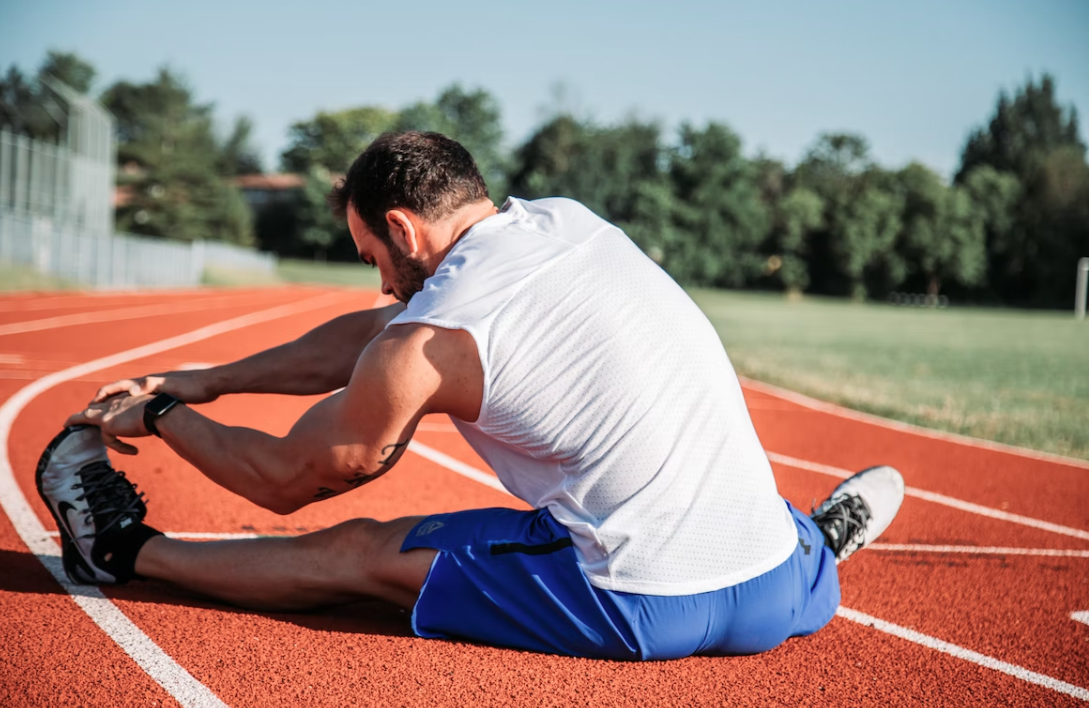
pixel 262 190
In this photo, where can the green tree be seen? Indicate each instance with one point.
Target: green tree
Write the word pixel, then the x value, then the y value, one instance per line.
pixel 70 69
pixel 719 207
pixel 319 231
pixel 333 140
pixel 854 251
pixel 237 155
pixel 602 167
pixel 944 232
pixel 1035 141
pixel 1051 231
pixel 29 107
pixel 1022 131
pixel 795 216
pixel 19 109
pixel 170 164
pixel 473 119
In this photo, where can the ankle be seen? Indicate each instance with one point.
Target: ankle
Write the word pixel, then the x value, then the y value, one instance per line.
pixel 119 555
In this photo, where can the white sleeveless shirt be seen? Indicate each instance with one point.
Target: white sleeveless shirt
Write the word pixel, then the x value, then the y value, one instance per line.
pixel 609 399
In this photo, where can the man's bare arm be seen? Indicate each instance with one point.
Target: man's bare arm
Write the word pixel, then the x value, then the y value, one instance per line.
pixel 347 439
pixel 320 361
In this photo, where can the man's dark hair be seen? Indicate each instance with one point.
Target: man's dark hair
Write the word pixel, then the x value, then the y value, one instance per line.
pixel 427 173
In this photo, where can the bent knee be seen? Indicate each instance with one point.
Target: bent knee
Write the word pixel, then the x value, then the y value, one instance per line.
pixel 355 538
pixel 365 555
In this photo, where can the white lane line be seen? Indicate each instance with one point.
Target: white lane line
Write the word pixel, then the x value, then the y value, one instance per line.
pixel 454 465
pixel 979 550
pixel 843 412
pixel 72 298
pixel 148 655
pixel 193 366
pixel 936 498
pixel 437 428
pixel 1082 617
pixel 127 313
pixel 966 654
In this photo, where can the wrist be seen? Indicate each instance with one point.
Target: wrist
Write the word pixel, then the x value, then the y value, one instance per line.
pixel 156 409
pixel 217 381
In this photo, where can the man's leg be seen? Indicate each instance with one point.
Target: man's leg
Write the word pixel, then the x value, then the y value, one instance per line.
pixel 351 561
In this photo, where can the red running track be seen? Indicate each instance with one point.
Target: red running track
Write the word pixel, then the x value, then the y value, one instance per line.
pixel 987 621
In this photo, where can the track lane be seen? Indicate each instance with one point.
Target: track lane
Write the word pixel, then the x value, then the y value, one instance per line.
pixel 53 653
pixel 17 321
pixel 264 671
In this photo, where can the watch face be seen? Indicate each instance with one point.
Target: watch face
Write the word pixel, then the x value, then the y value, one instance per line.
pixel 161 403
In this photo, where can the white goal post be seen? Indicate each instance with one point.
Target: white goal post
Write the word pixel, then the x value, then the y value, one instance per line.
pixel 1079 291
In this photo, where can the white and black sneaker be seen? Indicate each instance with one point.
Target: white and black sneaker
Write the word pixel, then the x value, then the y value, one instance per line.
pixel 859 510
pixel 98 511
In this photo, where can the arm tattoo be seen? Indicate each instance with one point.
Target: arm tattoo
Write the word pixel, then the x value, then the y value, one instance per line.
pixel 392 452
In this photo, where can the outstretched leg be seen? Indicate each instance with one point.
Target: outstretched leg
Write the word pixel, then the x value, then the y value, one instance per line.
pixel 103 539
pixel 351 561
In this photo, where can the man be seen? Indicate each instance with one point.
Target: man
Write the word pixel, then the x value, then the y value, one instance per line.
pixel 586 378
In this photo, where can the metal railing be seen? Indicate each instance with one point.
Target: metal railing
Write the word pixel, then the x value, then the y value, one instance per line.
pixel 56 212
pixel 117 261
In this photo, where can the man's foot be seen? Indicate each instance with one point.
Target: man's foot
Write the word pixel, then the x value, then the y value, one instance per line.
pixel 98 512
pixel 859 510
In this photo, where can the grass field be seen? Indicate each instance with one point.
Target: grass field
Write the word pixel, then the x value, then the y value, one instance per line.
pixel 291 270
pixel 352 274
pixel 20 277
pixel 1012 376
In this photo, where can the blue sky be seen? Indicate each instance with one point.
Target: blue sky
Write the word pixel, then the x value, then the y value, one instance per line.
pixel 913 77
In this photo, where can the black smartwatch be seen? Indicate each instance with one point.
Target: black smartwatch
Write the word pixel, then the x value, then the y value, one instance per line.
pixel 156 408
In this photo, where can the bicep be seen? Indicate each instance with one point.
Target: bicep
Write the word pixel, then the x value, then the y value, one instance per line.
pixel 358 434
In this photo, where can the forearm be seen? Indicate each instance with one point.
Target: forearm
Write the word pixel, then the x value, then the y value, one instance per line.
pixel 247 462
pixel 320 361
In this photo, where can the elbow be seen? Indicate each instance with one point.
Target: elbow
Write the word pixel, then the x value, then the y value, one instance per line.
pixel 283 507
pixel 280 489
pixel 281 501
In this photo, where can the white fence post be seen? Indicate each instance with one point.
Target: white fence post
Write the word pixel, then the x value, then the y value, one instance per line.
pixel 1079 294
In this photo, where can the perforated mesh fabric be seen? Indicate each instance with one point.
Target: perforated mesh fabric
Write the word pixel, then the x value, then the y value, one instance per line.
pixel 609 399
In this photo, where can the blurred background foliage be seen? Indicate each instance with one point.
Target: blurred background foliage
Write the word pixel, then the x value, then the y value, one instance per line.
pixel 1008 227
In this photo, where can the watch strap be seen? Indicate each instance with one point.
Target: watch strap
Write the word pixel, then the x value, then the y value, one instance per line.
pixel 156 408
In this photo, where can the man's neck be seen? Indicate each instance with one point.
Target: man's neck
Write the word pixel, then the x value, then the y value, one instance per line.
pixel 445 233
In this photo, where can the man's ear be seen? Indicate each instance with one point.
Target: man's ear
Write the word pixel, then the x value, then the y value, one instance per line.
pixel 402 230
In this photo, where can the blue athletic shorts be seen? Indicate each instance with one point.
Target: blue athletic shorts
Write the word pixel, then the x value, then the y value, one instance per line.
pixel 511 578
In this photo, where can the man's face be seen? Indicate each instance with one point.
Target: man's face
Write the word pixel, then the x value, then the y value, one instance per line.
pixel 402 277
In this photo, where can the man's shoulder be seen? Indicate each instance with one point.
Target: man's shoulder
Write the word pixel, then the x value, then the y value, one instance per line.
pixel 557 217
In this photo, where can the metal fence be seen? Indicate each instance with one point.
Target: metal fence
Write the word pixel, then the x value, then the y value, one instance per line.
pixel 71 184
pixel 56 212
pixel 111 261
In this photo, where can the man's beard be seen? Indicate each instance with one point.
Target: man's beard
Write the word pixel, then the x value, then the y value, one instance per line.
pixel 410 275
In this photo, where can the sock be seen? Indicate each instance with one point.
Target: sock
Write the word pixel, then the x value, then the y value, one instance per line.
pixel 118 554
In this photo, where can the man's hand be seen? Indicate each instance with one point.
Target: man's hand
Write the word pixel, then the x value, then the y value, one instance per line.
pixel 186 386
pixel 118 417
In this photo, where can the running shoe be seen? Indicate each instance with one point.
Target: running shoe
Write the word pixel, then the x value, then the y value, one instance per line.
pixel 94 505
pixel 859 510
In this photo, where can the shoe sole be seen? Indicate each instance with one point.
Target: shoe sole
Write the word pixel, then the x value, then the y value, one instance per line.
pixel 75 567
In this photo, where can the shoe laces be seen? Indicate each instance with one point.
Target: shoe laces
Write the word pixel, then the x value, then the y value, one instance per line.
pixel 843 520
pixel 109 495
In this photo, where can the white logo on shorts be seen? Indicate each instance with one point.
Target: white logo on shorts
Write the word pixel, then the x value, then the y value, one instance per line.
pixel 429 527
